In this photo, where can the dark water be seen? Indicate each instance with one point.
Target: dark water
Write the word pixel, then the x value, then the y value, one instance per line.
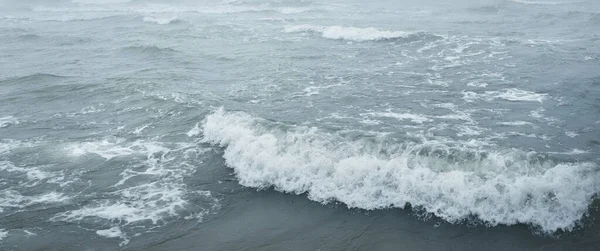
pixel 299 125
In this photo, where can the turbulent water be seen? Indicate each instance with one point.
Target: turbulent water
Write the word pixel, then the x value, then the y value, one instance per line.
pixel 125 122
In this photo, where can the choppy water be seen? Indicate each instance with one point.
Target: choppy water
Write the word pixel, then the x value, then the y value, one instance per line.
pixel 126 123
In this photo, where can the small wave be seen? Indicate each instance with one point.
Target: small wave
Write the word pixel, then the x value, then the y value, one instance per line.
pixel 353 33
pixel 162 20
pixel 29 37
pixel 8 120
pixel 497 187
pixel 36 77
pixel 151 50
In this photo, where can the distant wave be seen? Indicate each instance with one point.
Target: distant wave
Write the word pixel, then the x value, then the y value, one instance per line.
pixel 162 20
pixel 351 33
pixel 166 8
pixel 29 37
pixel 69 17
pixel 495 187
pixel 32 78
pixel 100 1
pixel 543 2
pixel 150 50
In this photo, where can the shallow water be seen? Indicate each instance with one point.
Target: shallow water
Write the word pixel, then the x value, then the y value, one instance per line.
pixel 152 124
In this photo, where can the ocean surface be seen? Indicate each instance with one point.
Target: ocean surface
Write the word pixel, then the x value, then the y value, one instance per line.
pixel 300 125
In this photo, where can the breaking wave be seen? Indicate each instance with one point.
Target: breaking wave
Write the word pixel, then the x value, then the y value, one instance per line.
pixel 162 20
pixel 354 33
pixel 454 183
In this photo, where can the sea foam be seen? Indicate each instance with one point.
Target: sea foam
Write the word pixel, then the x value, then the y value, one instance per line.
pixel 348 33
pixel 161 20
pixel 495 187
pixel 8 120
pixel 3 234
pixel 160 198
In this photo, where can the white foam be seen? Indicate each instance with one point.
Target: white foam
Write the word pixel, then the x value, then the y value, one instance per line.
pixel 13 199
pixel 29 233
pixel 8 120
pixel 34 173
pixel 521 95
pixel 195 131
pixel 571 134
pixel 114 232
pixel 161 196
pixel 465 130
pixel 498 187
pixel 139 130
pixel 515 123
pixel 112 148
pixel 3 234
pixel 415 118
pixel 348 33
pixel 508 94
pixel 160 20
pixel 574 151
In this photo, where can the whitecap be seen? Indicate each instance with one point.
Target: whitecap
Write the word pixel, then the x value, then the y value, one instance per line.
pixel 348 33
pixel 415 118
pixel 571 134
pixel 515 123
pixel 3 234
pixel 161 20
pixel 574 151
pixel 14 199
pixel 521 95
pixel 512 94
pixel 497 186
pixel 8 120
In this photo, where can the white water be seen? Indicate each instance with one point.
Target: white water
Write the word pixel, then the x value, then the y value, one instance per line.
pixel 3 234
pixel 499 187
pixel 348 33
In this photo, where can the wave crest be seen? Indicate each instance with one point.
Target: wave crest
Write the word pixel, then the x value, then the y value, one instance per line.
pixel 162 20
pixel 503 187
pixel 352 33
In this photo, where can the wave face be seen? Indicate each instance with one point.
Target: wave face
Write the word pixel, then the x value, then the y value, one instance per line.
pixel 497 187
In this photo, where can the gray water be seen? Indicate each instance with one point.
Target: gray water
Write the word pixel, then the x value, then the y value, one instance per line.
pixel 299 125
